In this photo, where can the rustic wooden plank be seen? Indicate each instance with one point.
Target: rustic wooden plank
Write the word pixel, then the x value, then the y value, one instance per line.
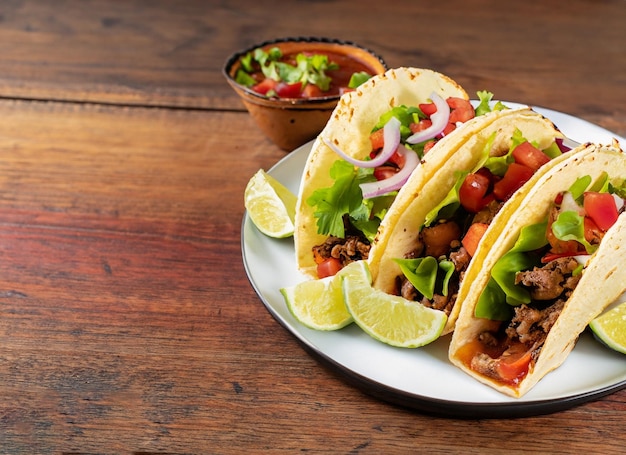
pixel 127 323
pixel 149 52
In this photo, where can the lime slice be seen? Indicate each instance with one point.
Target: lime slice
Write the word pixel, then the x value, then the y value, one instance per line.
pixel 270 205
pixel 610 328
pixel 390 318
pixel 319 304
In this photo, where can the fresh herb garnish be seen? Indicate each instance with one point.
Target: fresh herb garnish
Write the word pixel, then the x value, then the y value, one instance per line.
pixel 309 69
pixel 344 197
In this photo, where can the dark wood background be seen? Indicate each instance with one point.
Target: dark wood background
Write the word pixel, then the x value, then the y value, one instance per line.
pixel 127 322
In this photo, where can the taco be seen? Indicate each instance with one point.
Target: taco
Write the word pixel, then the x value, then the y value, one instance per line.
pixel 426 244
pixel 557 263
pixel 376 136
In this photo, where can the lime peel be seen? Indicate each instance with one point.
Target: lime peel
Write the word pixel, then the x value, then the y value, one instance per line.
pixel 392 319
pixel 610 328
pixel 270 205
pixel 319 304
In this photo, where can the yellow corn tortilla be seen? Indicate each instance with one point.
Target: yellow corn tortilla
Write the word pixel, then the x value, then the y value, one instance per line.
pixel 603 280
pixel 460 151
pixel 349 128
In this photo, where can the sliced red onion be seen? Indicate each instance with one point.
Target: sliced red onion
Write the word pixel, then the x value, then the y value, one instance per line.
pixel 395 182
pixel 391 136
pixel 566 144
pixel 582 259
pixel 619 202
pixel 439 119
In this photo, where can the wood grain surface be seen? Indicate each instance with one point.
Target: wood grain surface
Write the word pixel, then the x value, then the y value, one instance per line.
pixel 127 322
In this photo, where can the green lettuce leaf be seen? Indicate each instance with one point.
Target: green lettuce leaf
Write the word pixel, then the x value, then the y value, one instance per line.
pixel 484 107
pixel 490 305
pixel 497 298
pixel 406 115
pixel 358 78
pixel 553 150
pixel 579 187
pixel 427 275
pixel 571 226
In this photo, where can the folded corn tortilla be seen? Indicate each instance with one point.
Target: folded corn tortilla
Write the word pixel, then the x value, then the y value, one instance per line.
pixel 603 278
pixel 349 128
pixel 460 151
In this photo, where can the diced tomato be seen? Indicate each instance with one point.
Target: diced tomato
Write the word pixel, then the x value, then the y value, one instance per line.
pixel 601 208
pixel 329 267
pixel 472 237
pixel 461 110
pixel 420 126
pixel 265 86
pixel 428 145
pixel 397 159
pixel 516 175
pixel 558 200
pixel 450 127
pixel 593 234
pixel 285 90
pixel 377 139
pixel 312 91
pixel 384 172
pixel 428 108
pixel 513 366
pixel 473 192
pixel 549 257
pixel 529 155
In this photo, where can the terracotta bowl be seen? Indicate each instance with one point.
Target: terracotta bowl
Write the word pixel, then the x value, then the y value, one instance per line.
pixel 292 122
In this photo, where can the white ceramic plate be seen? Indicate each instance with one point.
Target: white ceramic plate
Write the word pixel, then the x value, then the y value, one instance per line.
pixel 423 378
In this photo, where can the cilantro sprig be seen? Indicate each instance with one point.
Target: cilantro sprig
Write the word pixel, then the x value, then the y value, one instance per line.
pixel 345 198
pixel 309 69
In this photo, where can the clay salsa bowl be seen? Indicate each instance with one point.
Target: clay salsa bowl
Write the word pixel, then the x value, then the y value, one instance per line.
pixel 292 121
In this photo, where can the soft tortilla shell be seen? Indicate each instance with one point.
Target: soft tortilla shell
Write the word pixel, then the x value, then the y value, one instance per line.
pixel 426 190
pixel 349 127
pixel 603 280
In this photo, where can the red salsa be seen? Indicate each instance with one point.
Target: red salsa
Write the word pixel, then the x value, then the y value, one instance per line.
pixel 314 73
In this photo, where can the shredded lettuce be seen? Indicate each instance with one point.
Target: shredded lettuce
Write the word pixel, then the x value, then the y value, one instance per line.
pixel 484 104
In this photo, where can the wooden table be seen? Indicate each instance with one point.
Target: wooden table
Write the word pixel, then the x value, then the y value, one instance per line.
pixel 127 322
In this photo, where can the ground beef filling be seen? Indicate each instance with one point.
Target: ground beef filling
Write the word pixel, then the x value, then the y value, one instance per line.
pixel 443 241
pixel 349 249
pixel 550 287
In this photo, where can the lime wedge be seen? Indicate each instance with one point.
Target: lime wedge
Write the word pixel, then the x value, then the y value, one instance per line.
pixel 270 205
pixel 389 318
pixel 610 328
pixel 319 304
